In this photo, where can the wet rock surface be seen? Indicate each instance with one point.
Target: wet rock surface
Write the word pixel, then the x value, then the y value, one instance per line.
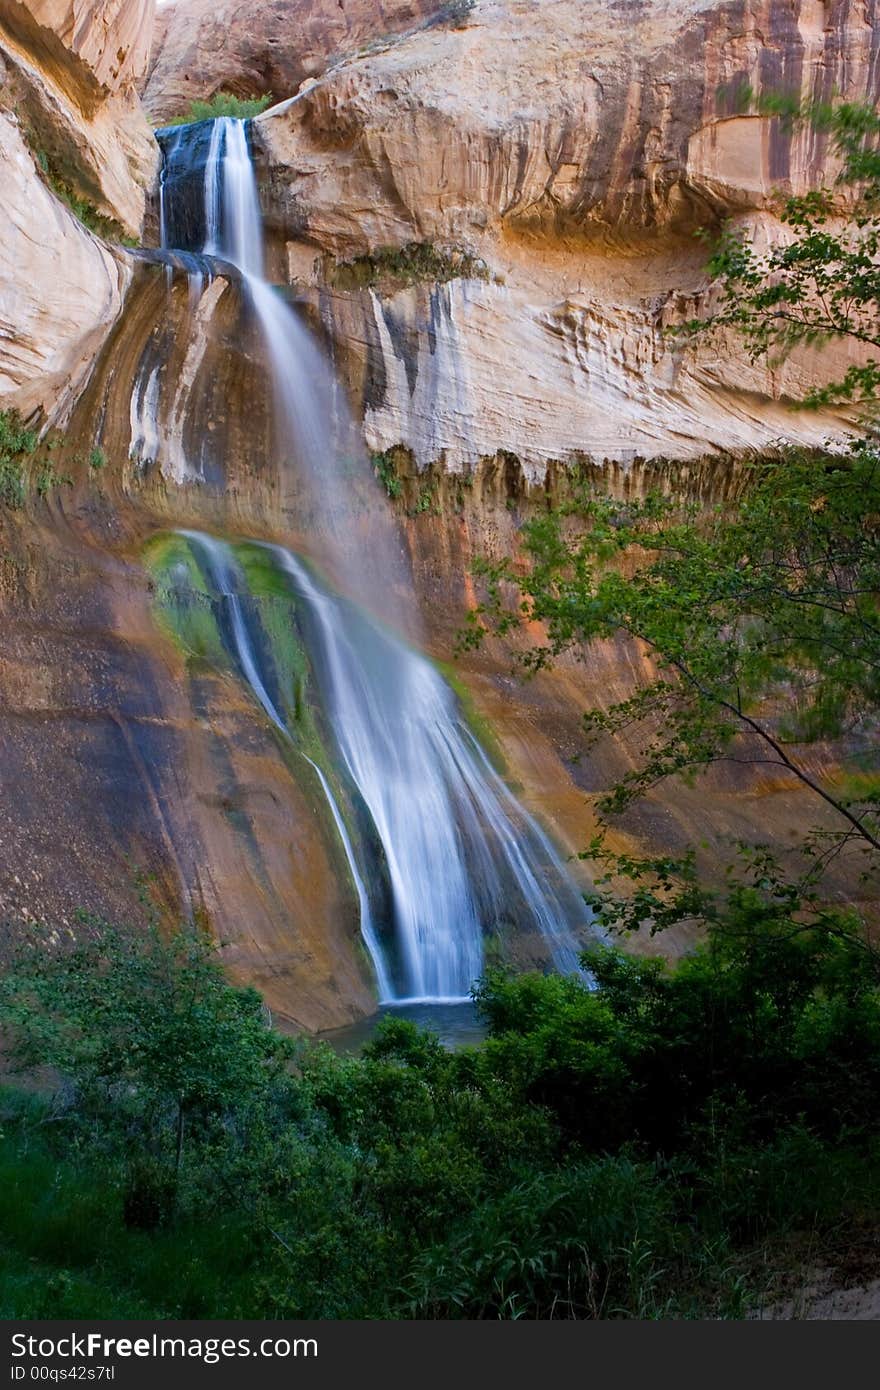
pixel 555 160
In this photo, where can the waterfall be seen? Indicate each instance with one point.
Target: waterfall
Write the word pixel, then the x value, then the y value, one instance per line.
pixel 226 581
pixel 210 202
pixel 462 856
pixel 460 850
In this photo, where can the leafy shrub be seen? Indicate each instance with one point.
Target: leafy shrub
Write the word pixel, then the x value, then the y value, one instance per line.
pixel 223 104
pixel 606 1153
pixel 383 467
pixel 458 12
pixel 149 1196
pixel 16 443
pixel 424 502
pixel 767 1026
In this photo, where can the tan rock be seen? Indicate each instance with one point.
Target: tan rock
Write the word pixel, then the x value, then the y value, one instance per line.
pixel 124 770
pixel 75 70
pixel 563 115
pixel 488 367
pixel 60 289
pixel 575 147
pixel 111 40
pixel 206 46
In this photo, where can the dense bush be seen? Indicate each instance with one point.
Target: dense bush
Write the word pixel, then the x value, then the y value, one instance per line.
pixel 610 1152
pixel 223 104
pixel 774 1026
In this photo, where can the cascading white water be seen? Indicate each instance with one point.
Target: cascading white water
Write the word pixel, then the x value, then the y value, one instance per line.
pixel 237 232
pixel 462 856
pixel 460 851
pixel 226 581
pixel 314 426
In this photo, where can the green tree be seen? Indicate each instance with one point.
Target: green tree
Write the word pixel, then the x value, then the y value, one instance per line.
pixel 762 620
pixel 151 1036
pixel 761 615
pixel 821 282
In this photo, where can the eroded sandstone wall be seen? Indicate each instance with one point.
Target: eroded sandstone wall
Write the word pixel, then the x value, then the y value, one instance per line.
pixel 132 781
pixel 71 128
pixel 206 46
pixel 556 158
pixel 574 148
pixel 76 67
pixel 60 289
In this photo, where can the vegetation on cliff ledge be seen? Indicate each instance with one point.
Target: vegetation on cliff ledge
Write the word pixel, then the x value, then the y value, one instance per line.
pixel 28 465
pixel 222 104
pixel 397 267
pixel 81 207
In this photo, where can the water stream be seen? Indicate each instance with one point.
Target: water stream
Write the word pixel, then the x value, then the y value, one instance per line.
pixel 461 857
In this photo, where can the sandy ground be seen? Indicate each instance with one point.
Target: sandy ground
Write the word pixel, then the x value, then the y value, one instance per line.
pixel 823 1301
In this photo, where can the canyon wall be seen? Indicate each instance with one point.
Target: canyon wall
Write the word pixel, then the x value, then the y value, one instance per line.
pixel 268 46
pixel 60 289
pixel 488 218
pixel 73 139
pixel 73 70
pixel 572 150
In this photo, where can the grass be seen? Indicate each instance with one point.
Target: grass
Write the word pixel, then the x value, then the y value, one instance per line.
pixel 27 464
pixel 65 1251
pixel 17 444
pixel 86 212
pixel 48 478
pixel 222 104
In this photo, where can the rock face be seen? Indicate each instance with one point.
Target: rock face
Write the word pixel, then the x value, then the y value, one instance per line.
pixel 567 116
pixel 120 767
pixel 575 148
pixel 70 122
pixel 550 161
pixel 74 68
pixel 111 40
pixel 460 371
pixel 60 290
pixel 206 46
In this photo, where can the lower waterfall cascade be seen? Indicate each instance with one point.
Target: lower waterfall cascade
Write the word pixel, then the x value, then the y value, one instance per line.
pixel 459 857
